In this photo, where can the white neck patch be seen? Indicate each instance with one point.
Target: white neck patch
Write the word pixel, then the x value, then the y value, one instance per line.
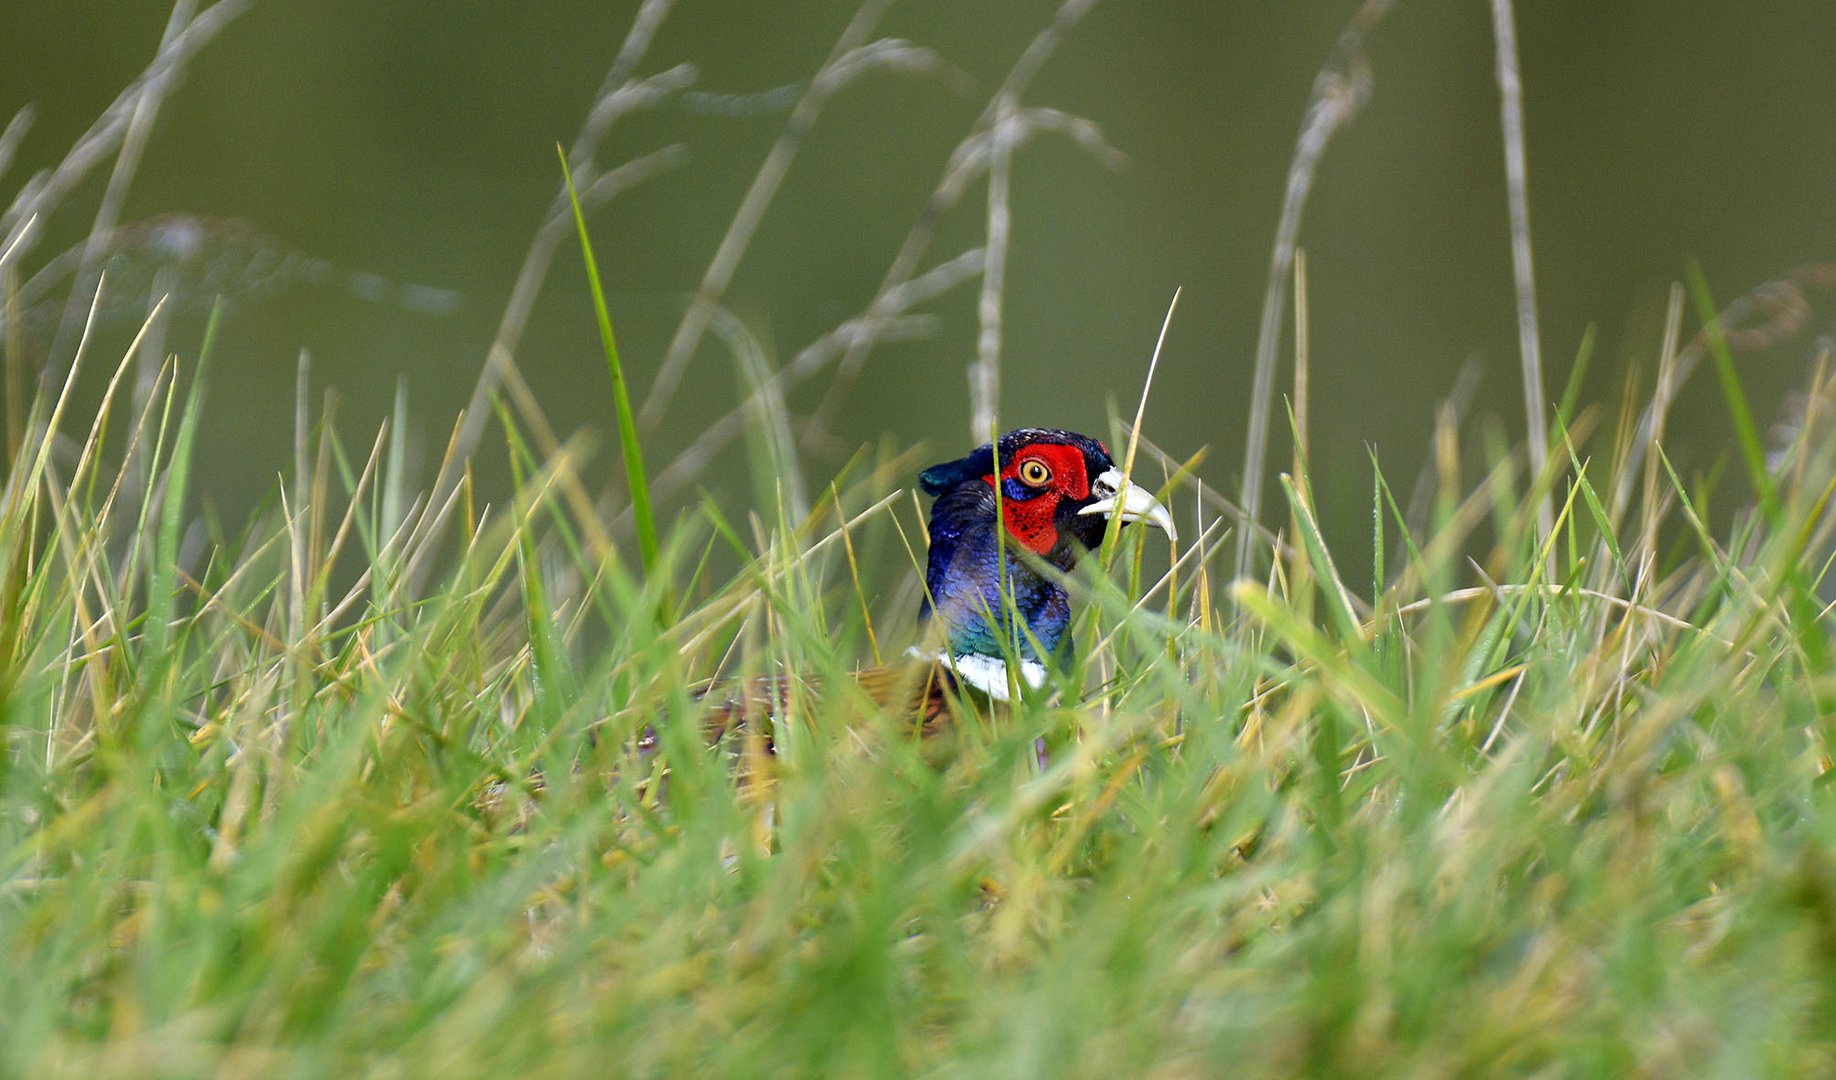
pixel 987 674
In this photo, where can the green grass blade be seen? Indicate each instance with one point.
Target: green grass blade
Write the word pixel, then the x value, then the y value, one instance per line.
pixel 1338 600
pixel 1746 432
pixel 162 594
pixel 1584 355
pixel 621 397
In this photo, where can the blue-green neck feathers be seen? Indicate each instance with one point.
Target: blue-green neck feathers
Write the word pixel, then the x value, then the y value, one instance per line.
pixel 964 582
pixel 1045 478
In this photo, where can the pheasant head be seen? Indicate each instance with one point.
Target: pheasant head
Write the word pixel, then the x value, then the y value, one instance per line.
pixel 1003 514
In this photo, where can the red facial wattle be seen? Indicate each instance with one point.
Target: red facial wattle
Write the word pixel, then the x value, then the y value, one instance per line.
pixel 1032 520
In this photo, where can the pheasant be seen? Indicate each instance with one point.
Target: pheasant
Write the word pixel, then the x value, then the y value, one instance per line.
pixel 1053 492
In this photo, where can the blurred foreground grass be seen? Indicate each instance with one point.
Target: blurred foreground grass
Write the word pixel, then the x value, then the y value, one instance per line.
pixel 266 796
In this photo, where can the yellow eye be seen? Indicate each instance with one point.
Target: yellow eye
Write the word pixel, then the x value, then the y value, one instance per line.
pixel 1034 473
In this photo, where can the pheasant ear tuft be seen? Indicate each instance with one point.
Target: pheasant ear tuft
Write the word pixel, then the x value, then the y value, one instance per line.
pixel 941 478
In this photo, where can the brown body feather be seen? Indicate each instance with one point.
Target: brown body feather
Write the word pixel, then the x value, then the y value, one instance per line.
pixel 924 691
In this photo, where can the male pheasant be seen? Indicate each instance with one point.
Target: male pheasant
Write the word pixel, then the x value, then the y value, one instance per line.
pixel 1052 492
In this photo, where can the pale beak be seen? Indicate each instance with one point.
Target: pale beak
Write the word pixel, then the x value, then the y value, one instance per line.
pixel 1116 497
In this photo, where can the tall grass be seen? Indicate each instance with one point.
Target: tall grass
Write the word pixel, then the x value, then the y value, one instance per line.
pixel 260 812
pixel 357 784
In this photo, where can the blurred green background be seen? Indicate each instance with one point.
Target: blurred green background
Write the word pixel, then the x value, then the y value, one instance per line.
pixel 415 140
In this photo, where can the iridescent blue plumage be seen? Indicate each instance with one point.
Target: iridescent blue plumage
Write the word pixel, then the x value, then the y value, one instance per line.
pixel 963 583
pixel 964 578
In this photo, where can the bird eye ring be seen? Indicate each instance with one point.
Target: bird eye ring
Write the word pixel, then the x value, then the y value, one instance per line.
pixel 1035 473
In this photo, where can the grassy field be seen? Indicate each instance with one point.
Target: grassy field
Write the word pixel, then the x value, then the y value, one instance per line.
pixel 1570 818
pixel 353 786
